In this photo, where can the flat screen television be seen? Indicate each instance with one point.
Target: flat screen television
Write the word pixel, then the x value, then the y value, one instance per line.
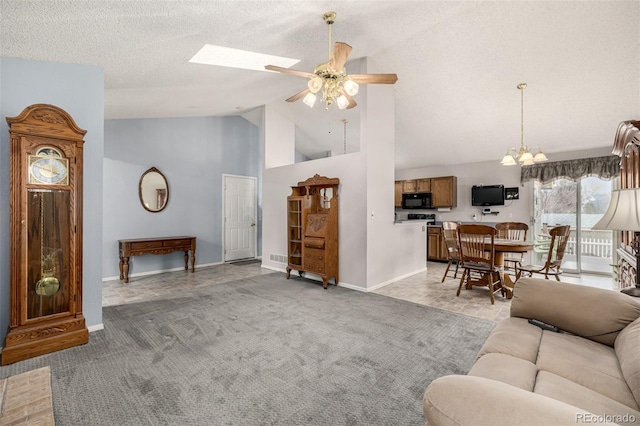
pixel 487 195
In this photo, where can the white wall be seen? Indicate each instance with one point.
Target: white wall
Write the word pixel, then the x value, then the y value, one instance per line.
pixel 281 134
pixel 393 251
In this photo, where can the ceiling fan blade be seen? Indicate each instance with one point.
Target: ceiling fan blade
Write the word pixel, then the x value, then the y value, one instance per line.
pixel 339 55
pixel 352 102
pixel 288 71
pixel 298 96
pixel 374 78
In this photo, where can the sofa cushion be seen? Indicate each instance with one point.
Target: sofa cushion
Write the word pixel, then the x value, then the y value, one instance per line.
pixel 506 369
pixel 561 389
pixel 469 400
pixel 585 362
pixel 599 315
pixel 515 337
pixel 627 348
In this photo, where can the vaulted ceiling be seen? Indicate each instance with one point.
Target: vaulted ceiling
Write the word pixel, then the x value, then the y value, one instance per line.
pixel 458 64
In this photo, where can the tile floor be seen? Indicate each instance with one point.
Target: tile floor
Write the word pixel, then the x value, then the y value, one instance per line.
pixel 424 288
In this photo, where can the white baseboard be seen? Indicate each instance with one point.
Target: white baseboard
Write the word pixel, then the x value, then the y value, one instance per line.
pixel 159 271
pixel 315 277
pixel 96 327
pixel 393 280
pixel 274 268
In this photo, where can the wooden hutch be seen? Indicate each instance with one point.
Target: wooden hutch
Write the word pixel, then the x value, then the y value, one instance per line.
pixel 312 228
pixel 627 146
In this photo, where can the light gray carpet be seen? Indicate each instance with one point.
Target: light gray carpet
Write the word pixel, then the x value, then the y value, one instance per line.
pixel 264 350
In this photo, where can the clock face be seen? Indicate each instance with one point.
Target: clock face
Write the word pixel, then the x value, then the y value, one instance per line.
pixel 48 170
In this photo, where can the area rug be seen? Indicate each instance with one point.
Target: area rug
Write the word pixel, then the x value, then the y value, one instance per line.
pixel 264 350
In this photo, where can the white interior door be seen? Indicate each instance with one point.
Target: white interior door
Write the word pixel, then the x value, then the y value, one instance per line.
pixel 239 217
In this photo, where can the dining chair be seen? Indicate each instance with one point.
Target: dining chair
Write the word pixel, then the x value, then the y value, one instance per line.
pixel 512 231
pixel 450 235
pixel 477 254
pixel 559 237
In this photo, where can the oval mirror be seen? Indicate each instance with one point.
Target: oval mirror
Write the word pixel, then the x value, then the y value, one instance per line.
pixel 153 190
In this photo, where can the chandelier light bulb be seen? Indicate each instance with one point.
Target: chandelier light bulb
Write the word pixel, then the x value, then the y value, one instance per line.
pixel 315 84
pixel 309 100
pixel 351 87
pixel 526 157
pixel 508 160
pixel 342 102
pixel 540 157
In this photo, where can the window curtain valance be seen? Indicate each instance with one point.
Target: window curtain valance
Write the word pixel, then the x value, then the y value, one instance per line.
pixel 605 168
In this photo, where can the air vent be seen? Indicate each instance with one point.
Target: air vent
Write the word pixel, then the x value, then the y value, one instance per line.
pixel 280 258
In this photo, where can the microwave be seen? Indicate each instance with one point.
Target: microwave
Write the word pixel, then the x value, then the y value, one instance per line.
pixel 418 200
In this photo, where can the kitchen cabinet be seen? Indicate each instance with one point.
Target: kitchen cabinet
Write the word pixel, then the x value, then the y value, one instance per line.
pixel 409 186
pixel 398 193
pixel 416 185
pixel 436 246
pixel 444 191
pixel 423 185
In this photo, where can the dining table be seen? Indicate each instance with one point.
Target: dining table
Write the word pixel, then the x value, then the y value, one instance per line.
pixel 503 246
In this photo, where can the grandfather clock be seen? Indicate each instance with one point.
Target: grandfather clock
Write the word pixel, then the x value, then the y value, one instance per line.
pixel 46 234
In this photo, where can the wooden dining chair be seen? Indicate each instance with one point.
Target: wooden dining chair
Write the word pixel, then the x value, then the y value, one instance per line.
pixel 450 235
pixel 512 231
pixel 477 254
pixel 559 237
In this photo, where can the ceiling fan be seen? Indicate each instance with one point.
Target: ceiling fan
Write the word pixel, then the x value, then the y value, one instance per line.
pixel 331 78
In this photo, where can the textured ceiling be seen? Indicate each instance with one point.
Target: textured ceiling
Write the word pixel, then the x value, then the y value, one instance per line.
pixel 458 65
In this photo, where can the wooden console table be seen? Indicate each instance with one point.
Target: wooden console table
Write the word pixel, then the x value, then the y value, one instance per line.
pixel 162 245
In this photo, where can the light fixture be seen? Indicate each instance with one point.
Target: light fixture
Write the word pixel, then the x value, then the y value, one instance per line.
pixel 336 87
pixel 309 99
pixel 623 214
pixel 523 155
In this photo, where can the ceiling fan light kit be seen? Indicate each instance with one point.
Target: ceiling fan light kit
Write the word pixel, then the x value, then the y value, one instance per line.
pixel 330 78
pixel 523 155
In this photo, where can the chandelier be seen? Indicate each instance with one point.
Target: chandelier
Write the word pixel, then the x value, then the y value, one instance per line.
pixel 332 83
pixel 523 155
pixel 332 80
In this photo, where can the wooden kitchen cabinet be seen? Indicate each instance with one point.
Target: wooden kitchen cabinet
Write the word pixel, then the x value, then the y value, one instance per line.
pixel 409 186
pixel 398 193
pixel 423 185
pixel 444 191
pixel 436 246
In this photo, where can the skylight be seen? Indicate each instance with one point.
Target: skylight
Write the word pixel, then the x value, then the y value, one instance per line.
pixel 236 58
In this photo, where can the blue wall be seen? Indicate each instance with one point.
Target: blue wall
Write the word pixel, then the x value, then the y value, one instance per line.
pixel 193 154
pixel 79 90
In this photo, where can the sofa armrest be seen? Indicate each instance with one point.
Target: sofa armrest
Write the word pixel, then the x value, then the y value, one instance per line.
pixel 590 312
pixel 468 400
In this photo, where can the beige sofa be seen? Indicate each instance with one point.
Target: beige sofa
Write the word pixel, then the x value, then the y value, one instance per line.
pixel 524 375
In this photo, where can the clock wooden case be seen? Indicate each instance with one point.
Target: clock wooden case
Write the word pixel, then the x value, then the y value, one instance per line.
pixel 46 234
